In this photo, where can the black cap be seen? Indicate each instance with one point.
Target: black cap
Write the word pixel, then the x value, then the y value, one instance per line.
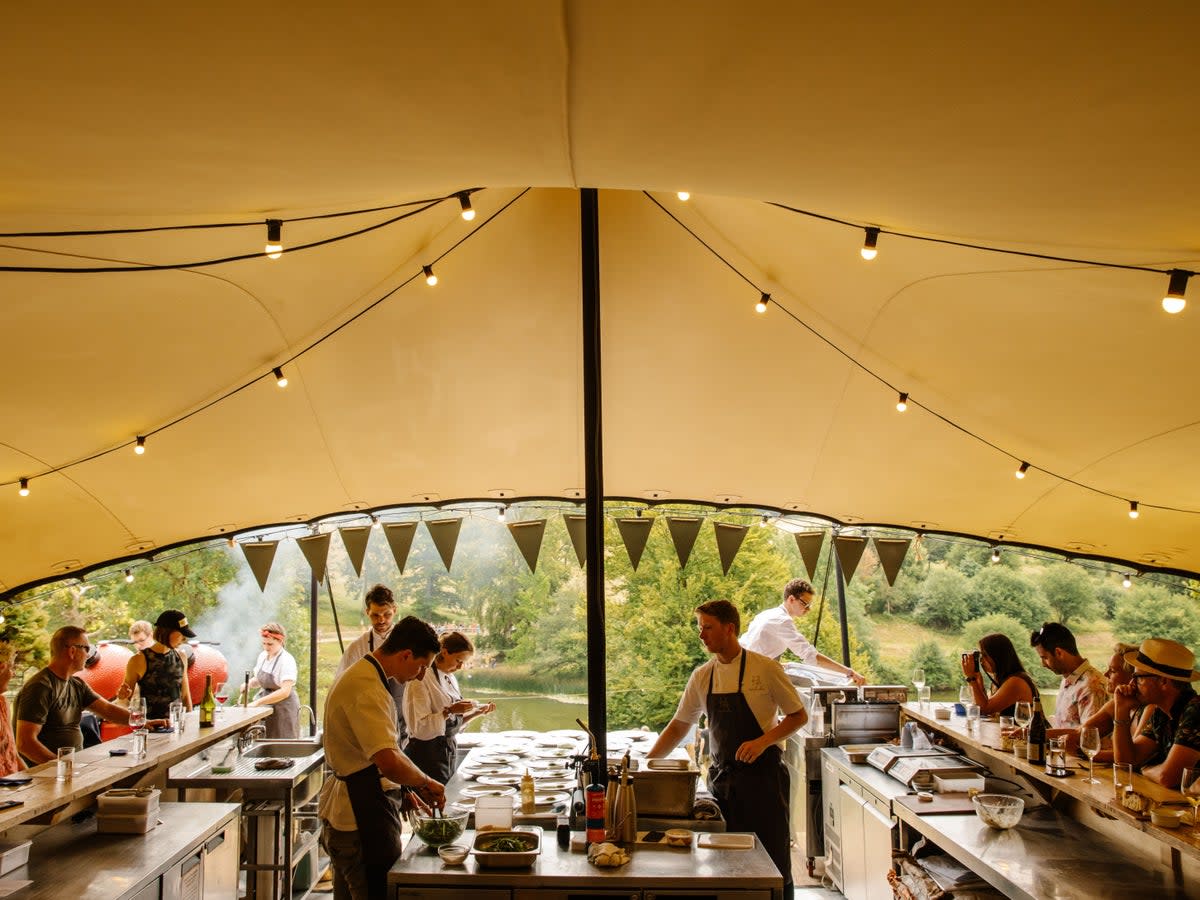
pixel 175 621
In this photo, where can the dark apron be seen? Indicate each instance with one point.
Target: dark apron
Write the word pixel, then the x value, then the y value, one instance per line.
pixel 377 815
pixel 437 757
pixel 284 722
pixel 752 796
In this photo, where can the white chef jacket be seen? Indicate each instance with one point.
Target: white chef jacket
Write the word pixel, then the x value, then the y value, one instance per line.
pixel 774 630
pixel 367 642
pixel 424 701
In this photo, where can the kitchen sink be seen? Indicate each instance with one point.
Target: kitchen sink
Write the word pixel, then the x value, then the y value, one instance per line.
pixel 284 749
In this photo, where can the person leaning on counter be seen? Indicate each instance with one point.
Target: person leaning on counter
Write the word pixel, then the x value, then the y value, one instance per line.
pixel 742 693
pixel 1170 741
pixel 998 658
pixel 51 703
pixel 362 831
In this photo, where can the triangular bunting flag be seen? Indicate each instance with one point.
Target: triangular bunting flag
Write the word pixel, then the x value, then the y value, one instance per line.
pixel 849 551
pixel 635 533
pixel 315 548
pixel 577 529
pixel 260 555
pixel 400 537
pixel 809 544
pixel 354 539
pixel 445 537
pixel 683 533
pixel 528 536
pixel 891 553
pixel 729 541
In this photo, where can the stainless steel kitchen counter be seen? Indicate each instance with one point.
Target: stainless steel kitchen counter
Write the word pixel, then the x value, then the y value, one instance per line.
pixel 653 866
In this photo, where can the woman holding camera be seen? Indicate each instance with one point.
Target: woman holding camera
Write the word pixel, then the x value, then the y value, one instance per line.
pixel 998 658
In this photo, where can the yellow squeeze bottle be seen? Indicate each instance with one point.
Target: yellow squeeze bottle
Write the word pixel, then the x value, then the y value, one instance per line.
pixel 528 803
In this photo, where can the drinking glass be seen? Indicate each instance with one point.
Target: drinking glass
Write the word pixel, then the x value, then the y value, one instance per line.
pixel 1089 743
pixel 1189 784
pixel 972 718
pixel 137 721
pixel 1122 778
pixel 176 716
pixel 65 767
pixel 1023 715
pixel 918 678
pixel 923 694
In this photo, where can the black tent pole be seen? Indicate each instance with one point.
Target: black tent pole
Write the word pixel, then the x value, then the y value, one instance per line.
pixel 593 462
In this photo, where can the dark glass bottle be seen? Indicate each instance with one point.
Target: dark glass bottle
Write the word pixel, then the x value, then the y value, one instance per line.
pixel 1035 750
pixel 208 706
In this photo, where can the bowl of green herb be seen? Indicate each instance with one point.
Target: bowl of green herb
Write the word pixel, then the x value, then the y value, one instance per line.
pixel 439 830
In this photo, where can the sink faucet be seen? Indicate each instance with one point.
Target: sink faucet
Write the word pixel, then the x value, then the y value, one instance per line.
pixel 247 738
pixel 312 719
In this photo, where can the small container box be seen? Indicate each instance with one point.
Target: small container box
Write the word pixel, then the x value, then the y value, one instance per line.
pixel 106 824
pixel 128 802
pixel 13 855
pixel 958 784
pixel 666 792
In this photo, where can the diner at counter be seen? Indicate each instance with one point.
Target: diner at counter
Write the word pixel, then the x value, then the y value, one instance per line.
pixel 998 658
pixel 1169 743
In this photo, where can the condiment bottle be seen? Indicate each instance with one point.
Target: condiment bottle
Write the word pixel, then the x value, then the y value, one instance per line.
pixel 208 706
pixel 528 801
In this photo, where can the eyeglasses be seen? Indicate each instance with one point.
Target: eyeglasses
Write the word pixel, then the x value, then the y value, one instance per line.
pixel 86 648
pixel 1140 675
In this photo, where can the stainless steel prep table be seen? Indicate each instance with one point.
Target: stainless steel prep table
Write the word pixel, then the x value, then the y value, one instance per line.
pixel 653 871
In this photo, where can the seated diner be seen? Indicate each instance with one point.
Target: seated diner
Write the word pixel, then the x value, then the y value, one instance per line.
pixel 1011 683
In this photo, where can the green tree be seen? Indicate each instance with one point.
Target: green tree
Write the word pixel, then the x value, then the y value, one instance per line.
pixel 1069 592
pixel 999 589
pixel 941 669
pixel 1148 610
pixel 944 600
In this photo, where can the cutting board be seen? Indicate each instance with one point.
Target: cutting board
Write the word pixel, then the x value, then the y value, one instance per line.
pixel 941 804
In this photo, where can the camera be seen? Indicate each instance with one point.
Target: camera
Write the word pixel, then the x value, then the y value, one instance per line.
pixel 974 657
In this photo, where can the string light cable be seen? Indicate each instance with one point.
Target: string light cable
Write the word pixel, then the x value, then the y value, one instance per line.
pixel 907 398
pixel 272 374
pixel 421 206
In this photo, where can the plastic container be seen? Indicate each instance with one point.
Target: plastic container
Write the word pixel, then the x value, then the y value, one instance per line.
pixel 106 824
pixel 489 857
pixel 493 814
pixel 128 802
pixel 13 855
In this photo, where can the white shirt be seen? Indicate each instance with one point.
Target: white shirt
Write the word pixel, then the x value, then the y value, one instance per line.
pixel 774 630
pixel 365 643
pixel 282 668
pixel 765 686
pixel 424 701
pixel 360 720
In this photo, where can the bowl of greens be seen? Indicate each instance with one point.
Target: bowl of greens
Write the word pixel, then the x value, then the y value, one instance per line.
pixel 439 830
pixel 503 849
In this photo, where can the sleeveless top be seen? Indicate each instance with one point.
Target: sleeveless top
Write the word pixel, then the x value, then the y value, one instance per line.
pixel 1037 698
pixel 162 683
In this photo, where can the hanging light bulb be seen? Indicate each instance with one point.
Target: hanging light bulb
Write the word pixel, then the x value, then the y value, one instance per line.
pixel 995 554
pixel 430 278
pixel 868 250
pixel 902 403
pixel 1133 509
pixel 140 447
pixel 24 489
pixel 274 247
pixel 762 523
pixel 683 195
pixel 1175 300
pixel 761 305
pixel 1126 582
pixel 503 516
pixel 464 200
pixel 1022 469
pixel 280 378
pixel 129 576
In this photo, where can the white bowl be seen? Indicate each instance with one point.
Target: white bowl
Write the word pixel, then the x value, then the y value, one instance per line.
pixel 1166 818
pixel 998 810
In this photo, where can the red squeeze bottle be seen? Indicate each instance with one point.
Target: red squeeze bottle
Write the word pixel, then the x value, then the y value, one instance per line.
pixel 595 813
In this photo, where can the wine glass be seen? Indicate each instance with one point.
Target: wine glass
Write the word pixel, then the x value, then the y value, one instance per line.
pixel 137 721
pixel 1089 743
pixel 1189 785
pixel 918 679
pixel 221 694
pixel 966 695
pixel 1023 715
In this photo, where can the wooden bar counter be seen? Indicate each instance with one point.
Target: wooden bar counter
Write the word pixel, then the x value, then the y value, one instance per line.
pixel 46 801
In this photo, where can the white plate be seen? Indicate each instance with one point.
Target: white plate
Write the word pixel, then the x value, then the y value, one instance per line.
pixel 549 799
pixel 632 735
pixel 552 753
pixel 563 743
pixel 572 733
pixel 499 779
pixel 493 759
pixel 477 791
pixel 480 771
pixel 518 735
pixel 554 784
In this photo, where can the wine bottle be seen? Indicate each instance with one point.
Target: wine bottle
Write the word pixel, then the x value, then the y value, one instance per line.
pixel 1035 750
pixel 208 706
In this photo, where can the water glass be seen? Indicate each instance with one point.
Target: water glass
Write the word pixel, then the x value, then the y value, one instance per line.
pixel 176 716
pixel 972 718
pixel 66 764
pixel 138 741
pixel 923 694
pixel 1122 779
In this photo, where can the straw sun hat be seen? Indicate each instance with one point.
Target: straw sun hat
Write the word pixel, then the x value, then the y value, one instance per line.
pixel 1170 659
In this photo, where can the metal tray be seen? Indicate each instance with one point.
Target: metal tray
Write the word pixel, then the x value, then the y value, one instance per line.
pixel 507 859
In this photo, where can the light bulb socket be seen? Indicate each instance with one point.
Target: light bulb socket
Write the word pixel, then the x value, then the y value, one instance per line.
pixel 1176 298
pixel 902 403
pixel 1133 509
pixel 280 378
pixel 274 231
pixel 464 200
pixel 24 488
pixel 761 305
pixel 430 278
pixel 1024 467
pixel 140 447
pixel 870 241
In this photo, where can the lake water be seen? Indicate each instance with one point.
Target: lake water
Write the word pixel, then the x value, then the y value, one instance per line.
pixel 529 712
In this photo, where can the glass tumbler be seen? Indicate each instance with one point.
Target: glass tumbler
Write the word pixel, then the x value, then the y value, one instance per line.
pixel 66 764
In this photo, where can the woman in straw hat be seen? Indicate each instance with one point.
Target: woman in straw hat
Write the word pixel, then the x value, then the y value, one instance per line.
pixel 1170 742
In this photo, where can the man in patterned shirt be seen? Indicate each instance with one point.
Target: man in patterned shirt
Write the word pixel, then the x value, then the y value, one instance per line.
pixel 1170 741
pixel 1084 690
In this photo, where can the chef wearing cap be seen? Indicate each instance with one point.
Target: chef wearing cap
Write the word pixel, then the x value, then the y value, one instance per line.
pixel 1170 742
